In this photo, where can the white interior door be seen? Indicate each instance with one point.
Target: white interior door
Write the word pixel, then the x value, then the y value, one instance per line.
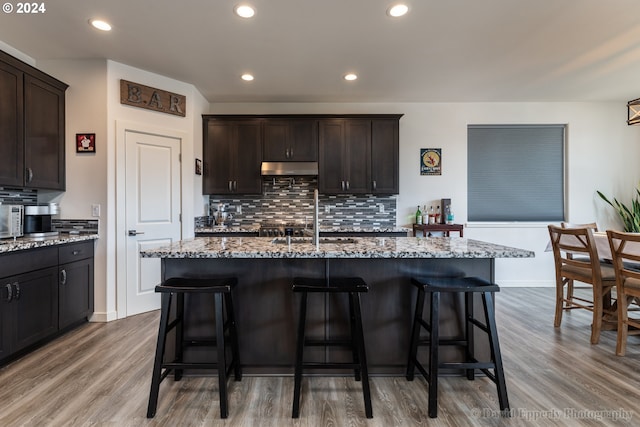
pixel 152 200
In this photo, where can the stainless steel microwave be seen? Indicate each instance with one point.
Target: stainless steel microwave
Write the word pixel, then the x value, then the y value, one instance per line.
pixel 11 220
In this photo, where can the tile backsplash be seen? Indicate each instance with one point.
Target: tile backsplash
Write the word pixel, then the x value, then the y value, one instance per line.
pixel 18 196
pixel 290 199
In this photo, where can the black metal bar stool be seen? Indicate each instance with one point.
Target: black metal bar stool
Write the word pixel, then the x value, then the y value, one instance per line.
pixel 467 285
pixel 225 331
pixel 352 286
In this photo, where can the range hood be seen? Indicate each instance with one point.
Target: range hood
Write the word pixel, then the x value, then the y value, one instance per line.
pixel 289 168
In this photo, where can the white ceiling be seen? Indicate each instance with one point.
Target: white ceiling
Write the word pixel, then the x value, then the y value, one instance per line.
pixel 298 50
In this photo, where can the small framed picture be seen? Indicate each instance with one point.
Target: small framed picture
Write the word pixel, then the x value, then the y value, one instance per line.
pixel 85 142
pixel 198 167
pixel 431 161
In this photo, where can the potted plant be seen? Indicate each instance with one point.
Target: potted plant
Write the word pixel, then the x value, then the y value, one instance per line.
pixel 630 216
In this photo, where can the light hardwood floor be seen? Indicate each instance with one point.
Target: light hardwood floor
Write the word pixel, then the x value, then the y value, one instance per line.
pixel 99 375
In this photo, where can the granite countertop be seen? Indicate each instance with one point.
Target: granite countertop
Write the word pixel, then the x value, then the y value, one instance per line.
pixel 326 229
pixel 22 243
pixel 228 229
pixel 335 247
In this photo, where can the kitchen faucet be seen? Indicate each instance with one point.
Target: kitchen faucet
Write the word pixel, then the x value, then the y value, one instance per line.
pixel 316 221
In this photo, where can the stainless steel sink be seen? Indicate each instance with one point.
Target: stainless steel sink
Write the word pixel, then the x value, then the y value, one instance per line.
pixel 308 240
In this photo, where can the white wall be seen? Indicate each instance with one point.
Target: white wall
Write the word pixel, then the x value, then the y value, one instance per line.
pixel 86 173
pixel 602 154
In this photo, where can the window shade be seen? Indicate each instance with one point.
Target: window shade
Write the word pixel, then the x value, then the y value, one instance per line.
pixel 515 172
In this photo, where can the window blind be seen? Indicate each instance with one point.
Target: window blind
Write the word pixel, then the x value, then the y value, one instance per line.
pixel 515 172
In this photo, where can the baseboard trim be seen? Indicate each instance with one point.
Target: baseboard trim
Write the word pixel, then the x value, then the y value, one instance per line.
pixel 103 316
pixel 527 283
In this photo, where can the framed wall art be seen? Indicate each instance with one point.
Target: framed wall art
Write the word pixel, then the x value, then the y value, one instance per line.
pixel 431 161
pixel 85 142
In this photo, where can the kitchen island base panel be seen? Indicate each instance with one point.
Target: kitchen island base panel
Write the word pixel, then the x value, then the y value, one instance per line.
pixel 267 310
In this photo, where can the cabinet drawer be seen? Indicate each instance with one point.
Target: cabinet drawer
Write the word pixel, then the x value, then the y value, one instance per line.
pixel 76 251
pixel 24 261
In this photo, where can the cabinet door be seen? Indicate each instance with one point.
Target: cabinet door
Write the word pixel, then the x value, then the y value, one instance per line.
pixel 303 136
pixel 44 135
pixel 331 156
pixel 75 292
pixel 35 305
pixel 276 141
pixel 6 326
pixel 248 157
pixel 358 156
pixel 217 149
pixel 11 123
pixel 384 156
pixel 290 140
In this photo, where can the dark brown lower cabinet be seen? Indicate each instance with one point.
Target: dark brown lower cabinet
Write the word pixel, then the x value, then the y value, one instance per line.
pixel 44 293
pixel 75 298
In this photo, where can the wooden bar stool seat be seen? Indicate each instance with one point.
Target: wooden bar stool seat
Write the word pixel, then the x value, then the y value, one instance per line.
pixel 468 286
pixel 352 286
pixel 225 334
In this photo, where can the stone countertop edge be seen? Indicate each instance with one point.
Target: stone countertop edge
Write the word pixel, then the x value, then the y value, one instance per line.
pixel 327 229
pixel 7 246
pixel 357 247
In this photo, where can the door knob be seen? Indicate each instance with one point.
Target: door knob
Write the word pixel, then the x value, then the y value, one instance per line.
pixel 135 232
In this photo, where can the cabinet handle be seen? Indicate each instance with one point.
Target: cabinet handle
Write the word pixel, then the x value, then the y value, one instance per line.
pixel 230 186
pixel 375 185
pixel 63 277
pixel 29 175
pixel 286 153
pixel 347 185
pixel 291 153
pixel 342 185
pixel 9 292
pixel 76 252
pixel 17 288
pixel 235 185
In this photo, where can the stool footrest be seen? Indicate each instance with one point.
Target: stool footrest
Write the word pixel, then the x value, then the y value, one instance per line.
pixel 190 365
pixel 330 365
pixel 320 343
pixel 446 341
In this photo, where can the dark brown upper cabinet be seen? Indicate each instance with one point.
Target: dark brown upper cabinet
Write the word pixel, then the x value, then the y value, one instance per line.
pixel 290 140
pixel 345 156
pixel 385 147
pixel 32 116
pixel 232 154
pixel 359 155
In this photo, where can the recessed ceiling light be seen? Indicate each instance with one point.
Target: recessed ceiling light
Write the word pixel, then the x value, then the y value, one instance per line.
pixel 244 11
pixel 350 76
pixel 100 24
pixel 247 77
pixel 397 10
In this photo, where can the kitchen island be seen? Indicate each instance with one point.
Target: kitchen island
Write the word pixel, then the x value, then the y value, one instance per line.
pixel 267 309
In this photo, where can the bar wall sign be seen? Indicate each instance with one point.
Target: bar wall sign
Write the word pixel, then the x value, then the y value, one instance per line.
pixel 147 97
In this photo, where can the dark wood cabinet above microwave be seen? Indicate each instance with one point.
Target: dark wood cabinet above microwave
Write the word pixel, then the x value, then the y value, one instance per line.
pixel 32 116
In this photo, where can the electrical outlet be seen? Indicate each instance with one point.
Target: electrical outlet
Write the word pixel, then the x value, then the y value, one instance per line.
pixel 239 209
pixel 95 210
pixel 327 209
pixel 380 208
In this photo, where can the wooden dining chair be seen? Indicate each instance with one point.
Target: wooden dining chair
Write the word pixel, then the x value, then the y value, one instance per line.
pixel 593 226
pixel 625 251
pixel 576 259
